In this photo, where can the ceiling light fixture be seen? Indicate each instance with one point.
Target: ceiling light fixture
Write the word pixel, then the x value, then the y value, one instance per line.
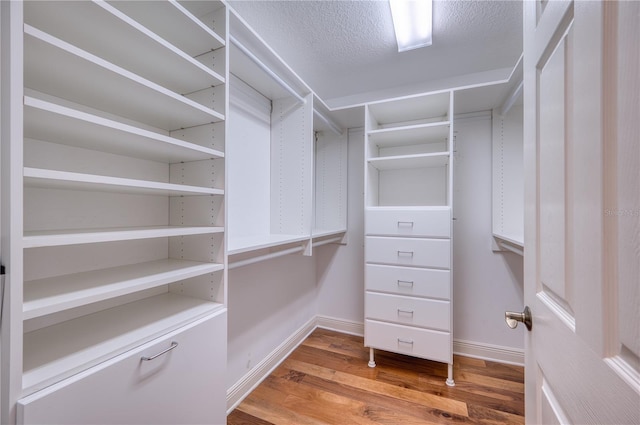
pixel 412 22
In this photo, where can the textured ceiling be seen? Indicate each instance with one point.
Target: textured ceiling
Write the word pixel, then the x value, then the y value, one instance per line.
pixel 345 48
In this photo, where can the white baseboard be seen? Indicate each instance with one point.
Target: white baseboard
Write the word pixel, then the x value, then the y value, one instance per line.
pixel 255 376
pixel 494 353
pixel 340 325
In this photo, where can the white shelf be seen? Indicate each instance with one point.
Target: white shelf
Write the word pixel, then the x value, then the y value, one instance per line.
pixel 51 295
pixel 87 24
pixel 323 233
pixel 432 106
pixel 254 243
pixel 511 243
pixel 52 179
pixel 35 239
pixel 173 22
pixel 408 208
pixel 58 351
pixel 440 159
pixel 73 74
pixel 410 135
pixel 59 124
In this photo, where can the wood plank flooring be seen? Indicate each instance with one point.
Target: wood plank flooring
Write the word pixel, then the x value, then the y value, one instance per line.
pixel 326 380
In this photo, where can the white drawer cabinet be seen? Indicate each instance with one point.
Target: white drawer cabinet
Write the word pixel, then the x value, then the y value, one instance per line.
pixel 431 223
pixel 424 343
pixel 425 313
pixel 172 388
pixel 408 226
pixel 411 281
pixel 415 252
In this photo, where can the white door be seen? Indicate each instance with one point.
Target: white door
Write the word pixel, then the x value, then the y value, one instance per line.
pixel 582 211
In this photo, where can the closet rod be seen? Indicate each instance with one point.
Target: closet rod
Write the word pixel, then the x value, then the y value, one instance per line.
pixel 337 239
pixel 329 122
pixel 266 69
pixel 264 257
pixel 511 248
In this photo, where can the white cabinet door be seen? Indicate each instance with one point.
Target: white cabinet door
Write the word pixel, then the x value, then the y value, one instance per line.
pixel 182 386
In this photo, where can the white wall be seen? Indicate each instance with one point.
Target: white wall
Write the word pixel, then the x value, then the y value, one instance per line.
pixel 268 302
pixel 340 268
pixel 485 283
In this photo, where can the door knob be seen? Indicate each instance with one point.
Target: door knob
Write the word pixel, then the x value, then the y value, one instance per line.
pixel 512 318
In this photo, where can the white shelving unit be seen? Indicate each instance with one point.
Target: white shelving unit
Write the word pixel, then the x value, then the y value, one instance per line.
pixel 508 185
pixel 270 151
pixel 408 227
pixel 119 186
pixel 331 173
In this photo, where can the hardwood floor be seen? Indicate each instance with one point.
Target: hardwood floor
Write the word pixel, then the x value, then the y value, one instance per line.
pixel 326 380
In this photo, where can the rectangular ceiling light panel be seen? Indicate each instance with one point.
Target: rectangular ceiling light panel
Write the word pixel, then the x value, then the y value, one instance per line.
pixel 412 22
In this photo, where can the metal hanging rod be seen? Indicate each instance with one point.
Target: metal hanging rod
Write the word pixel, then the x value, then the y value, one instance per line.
pixel 266 69
pixel 329 122
pixel 264 257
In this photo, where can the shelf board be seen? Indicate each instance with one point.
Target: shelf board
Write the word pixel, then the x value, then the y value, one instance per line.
pixel 59 124
pixel 87 24
pixel 254 243
pixel 36 239
pixel 323 233
pixel 173 22
pixel 57 68
pixel 408 208
pixel 51 295
pixel 440 159
pixel 53 179
pixel 56 352
pixel 410 135
pixel 411 108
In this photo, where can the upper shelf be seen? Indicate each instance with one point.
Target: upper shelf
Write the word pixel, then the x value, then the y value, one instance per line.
pixel 432 107
pixel 53 179
pixel 131 46
pixel 71 73
pixel 173 22
pixel 59 124
pixel 412 134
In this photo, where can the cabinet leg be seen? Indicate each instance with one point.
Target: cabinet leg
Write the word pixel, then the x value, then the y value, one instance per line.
pixel 450 381
pixel 372 362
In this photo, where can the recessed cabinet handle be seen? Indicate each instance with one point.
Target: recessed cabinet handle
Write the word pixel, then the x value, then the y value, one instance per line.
pixel 147 359
pixel 405 341
pixel 407 283
pixel 405 224
pixel 401 311
pixel 405 253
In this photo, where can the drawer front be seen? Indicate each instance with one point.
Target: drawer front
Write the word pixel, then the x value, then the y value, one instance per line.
pixel 432 314
pixel 409 252
pixel 185 385
pixel 408 281
pixel 423 343
pixel 430 223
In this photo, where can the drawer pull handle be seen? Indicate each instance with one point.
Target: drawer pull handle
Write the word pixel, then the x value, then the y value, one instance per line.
pixel 401 311
pixel 405 254
pixel 405 341
pixel 405 224
pixel 147 359
pixel 407 283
